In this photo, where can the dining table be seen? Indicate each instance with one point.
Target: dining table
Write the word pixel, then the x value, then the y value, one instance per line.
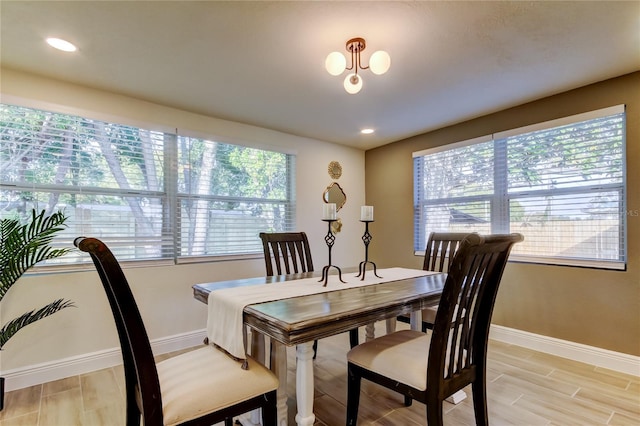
pixel 298 321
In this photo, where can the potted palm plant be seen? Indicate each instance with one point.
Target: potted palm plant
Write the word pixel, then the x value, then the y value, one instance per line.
pixel 22 245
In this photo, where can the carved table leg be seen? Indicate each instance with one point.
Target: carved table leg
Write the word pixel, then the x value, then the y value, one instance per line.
pixel 391 325
pixel 304 384
pixel 258 347
pixel 279 367
pixel 416 320
pixel 370 332
pixel 258 353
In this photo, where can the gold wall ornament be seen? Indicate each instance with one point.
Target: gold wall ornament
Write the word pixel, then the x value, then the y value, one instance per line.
pixel 336 226
pixel 334 194
pixel 335 170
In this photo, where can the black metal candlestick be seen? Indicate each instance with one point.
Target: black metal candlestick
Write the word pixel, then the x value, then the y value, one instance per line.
pixel 366 239
pixel 329 239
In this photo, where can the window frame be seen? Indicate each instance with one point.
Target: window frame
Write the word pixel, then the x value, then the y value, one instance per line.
pixel 501 197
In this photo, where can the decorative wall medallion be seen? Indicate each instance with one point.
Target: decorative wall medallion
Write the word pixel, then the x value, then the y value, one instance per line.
pixel 336 226
pixel 335 170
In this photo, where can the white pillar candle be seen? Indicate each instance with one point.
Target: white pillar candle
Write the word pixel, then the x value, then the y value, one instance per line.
pixel 329 211
pixel 366 213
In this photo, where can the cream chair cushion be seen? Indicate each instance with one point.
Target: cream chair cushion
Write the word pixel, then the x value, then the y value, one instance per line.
pixel 401 356
pixel 429 314
pixel 206 380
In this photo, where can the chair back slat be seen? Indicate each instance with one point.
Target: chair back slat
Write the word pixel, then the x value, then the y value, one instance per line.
pixel 141 376
pixel 461 328
pixel 440 249
pixel 288 251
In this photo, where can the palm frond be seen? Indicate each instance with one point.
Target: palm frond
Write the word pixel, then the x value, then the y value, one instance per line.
pixel 21 247
pixel 13 326
pixel 24 245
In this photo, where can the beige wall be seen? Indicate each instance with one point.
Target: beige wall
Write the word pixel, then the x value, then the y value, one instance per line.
pixel 593 307
pixel 164 293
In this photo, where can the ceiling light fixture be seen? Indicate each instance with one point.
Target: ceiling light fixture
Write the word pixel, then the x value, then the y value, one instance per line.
pixel 60 44
pixel 367 131
pixel 336 64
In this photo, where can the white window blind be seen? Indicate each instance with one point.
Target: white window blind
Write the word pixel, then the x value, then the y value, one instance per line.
pixel 228 194
pixel 561 184
pixel 108 178
pixel 149 195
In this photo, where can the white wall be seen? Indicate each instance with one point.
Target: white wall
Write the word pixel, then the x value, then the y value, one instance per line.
pixel 164 293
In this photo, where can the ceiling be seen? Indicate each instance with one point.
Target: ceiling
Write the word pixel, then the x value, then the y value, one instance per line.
pixel 262 63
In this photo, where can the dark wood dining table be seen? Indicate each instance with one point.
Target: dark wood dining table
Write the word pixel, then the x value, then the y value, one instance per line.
pixel 298 321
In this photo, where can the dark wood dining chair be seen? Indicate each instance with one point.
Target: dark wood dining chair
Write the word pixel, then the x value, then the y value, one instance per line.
pixel 429 367
pixel 200 387
pixel 438 255
pixel 290 253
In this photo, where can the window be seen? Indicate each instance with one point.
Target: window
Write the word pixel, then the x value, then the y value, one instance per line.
pixel 150 195
pixel 228 194
pixel 560 183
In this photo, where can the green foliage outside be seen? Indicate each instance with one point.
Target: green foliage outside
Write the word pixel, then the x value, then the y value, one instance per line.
pixel 535 161
pixel 116 180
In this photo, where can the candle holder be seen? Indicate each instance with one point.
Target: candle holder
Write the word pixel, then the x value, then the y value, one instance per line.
pixel 329 239
pixel 366 239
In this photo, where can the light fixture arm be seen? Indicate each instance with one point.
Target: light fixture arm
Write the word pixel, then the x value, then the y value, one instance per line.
pixel 355 46
pixel 336 64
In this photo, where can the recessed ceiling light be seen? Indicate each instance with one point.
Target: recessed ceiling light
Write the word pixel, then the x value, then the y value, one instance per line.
pixel 367 131
pixel 60 44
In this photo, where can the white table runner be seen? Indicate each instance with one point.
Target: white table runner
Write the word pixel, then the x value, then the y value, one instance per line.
pixel 225 324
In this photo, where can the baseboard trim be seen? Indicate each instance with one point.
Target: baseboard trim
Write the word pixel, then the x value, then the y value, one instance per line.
pixel 604 358
pixel 41 373
pixel 46 372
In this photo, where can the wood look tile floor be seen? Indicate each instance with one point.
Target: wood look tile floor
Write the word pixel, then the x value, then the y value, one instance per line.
pixel 524 387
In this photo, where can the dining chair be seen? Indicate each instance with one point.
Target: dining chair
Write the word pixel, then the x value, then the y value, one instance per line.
pixel 290 253
pixel 429 367
pixel 438 255
pixel 200 387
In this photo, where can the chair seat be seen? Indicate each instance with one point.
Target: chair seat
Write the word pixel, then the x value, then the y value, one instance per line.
pixel 401 356
pixel 206 380
pixel 429 314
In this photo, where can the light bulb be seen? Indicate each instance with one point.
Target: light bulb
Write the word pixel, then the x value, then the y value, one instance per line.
pixel 352 83
pixel 380 62
pixel 335 63
pixel 61 44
